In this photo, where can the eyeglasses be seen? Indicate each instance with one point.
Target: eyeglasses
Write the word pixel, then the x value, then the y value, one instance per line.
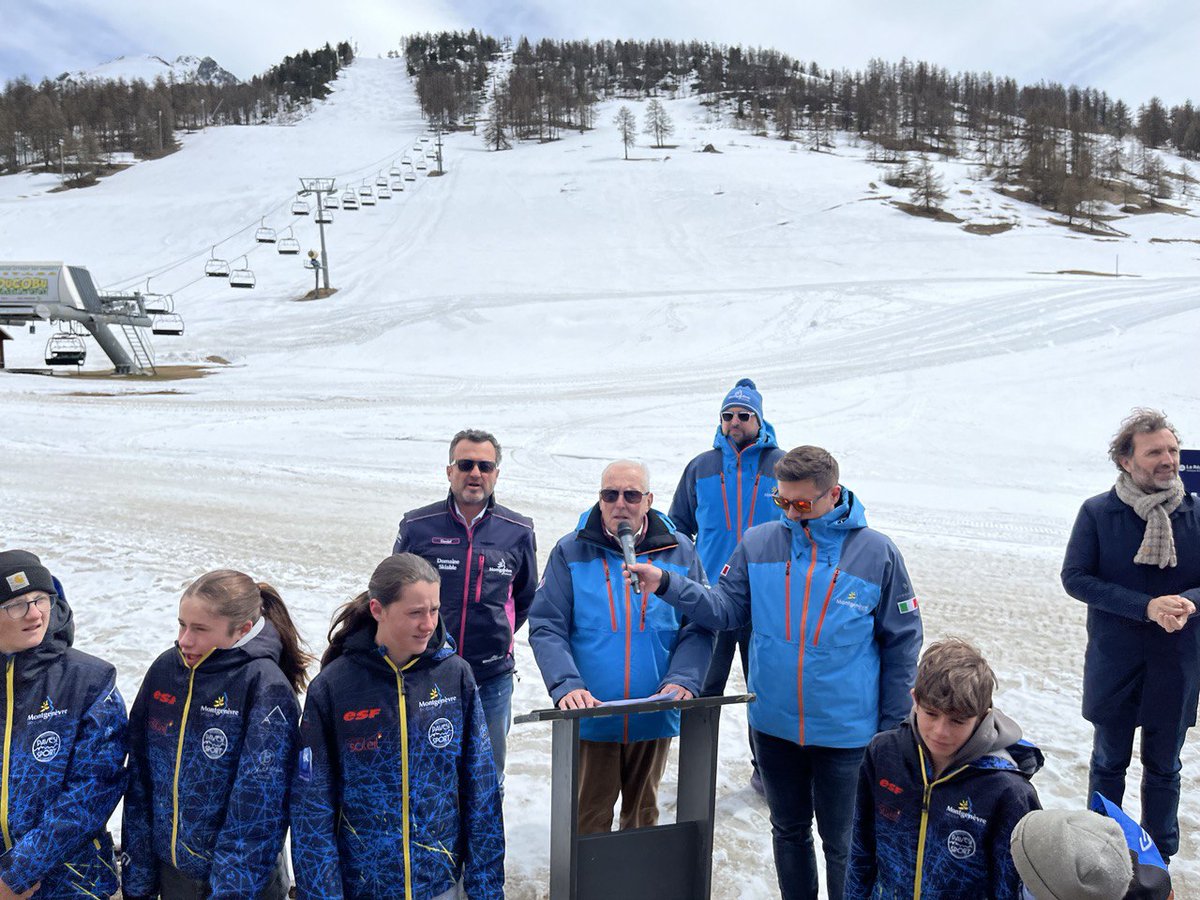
pixel 798 505
pixel 486 466
pixel 610 495
pixel 741 416
pixel 19 609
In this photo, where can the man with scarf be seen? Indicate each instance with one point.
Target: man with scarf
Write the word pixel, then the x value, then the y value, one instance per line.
pixel 1134 559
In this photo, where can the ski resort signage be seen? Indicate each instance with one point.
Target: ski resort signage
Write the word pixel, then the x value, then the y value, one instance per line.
pixel 1189 470
pixel 24 286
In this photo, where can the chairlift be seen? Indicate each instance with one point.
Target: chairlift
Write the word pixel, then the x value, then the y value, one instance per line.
pixel 380 180
pixel 398 184
pixel 367 199
pixel 424 139
pixel 65 349
pixel 242 277
pixel 394 170
pixel 365 191
pixel 287 246
pixel 410 176
pixel 324 217
pixel 264 235
pixel 168 323
pixel 332 202
pixel 216 268
pixel 349 201
pixel 300 208
pixel 384 193
pixel 158 303
pixel 421 167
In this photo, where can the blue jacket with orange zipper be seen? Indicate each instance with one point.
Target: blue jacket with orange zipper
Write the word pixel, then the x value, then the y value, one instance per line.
pixel 589 630
pixel 835 629
pixel 211 754
pixel 395 796
pixel 723 492
pixel 63 766
pixel 488 571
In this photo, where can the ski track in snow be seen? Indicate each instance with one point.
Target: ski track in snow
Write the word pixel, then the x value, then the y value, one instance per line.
pixel 586 309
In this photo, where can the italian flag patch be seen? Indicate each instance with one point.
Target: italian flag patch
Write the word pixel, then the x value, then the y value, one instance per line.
pixel 908 606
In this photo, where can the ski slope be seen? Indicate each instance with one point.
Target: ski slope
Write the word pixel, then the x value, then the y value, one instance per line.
pixel 586 308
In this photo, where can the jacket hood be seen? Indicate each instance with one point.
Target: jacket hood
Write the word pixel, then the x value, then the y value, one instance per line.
pixel 361 645
pixel 59 636
pixel 265 645
pixel 996 738
pixel 848 515
pixel 660 532
pixel 765 441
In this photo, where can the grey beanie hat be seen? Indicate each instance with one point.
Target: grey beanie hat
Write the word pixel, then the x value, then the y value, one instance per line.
pixel 1071 855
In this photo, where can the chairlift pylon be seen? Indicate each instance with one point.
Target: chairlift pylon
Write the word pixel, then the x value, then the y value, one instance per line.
pixel 264 235
pixel 65 349
pixel 216 268
pixel 167 323
pixel 242 277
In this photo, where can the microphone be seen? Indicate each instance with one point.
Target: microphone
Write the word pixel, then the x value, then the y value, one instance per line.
pixel 625 538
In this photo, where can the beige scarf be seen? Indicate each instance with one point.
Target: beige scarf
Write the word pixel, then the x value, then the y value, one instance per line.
pixel 1158 543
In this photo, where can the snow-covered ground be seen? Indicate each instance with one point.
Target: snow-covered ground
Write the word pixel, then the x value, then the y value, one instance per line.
pixel 586 308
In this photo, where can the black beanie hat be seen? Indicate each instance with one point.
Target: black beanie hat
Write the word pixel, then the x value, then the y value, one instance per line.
pixel 21 572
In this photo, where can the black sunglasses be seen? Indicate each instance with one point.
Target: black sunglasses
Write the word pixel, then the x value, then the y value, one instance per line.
pixel 610 495
pixel 741 417
pixel 486 466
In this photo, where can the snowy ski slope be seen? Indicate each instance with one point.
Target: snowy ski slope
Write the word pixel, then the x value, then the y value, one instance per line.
pixel 586 308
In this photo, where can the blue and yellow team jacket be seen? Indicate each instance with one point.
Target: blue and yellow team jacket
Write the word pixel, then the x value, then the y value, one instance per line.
pixel 588 629
pixel 395 796
pixel 723 492
pixel 943 837
pixel 212 749
pixel 834 621
pixel 63 767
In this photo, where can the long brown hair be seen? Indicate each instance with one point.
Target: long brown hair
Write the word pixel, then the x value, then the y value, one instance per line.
pixel 239 598
pixel 387 583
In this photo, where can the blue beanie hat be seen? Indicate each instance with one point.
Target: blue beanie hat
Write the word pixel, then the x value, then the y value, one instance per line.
pixel 745 395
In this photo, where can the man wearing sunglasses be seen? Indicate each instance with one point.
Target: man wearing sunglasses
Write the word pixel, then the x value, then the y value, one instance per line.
pixel 833 654
pixel 597 639
pixel 63 746
pixel 486 555
pixel 723 492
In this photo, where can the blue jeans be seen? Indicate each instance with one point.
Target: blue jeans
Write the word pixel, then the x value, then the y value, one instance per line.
pixel 801 782
pixel 495 695
pixel 1112 749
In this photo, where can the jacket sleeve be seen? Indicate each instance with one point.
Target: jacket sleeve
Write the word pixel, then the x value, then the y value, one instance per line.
pixel 401 543
pixel 525 581
pixel 899 635
pixel 139 872
pixel 861 868
pixel 550 628
pixel 87 796
pixel 315 802
pixel 694 648
pixel 249 842
pixel 479 792
pixel 1003 877
pixel 720 608
pixel 1079 578
pixel 683 504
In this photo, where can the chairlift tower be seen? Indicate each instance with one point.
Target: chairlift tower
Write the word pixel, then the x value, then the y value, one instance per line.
pixel 321 187
pixel 439 152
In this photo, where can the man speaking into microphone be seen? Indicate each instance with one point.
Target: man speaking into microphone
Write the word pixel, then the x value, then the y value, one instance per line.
pixel 597 638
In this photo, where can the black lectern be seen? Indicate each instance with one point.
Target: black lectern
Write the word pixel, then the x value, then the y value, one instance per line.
pixel 665 862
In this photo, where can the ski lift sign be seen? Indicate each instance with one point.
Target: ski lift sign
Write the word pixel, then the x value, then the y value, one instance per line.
pixel 1189 470
pixel 28 285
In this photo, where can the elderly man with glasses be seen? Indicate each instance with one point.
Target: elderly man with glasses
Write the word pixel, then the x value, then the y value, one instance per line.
pixel 486 555
pixel 596 639
pixel 835 635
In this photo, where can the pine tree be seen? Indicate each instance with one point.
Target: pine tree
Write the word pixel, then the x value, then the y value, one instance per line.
pixel 930 189
pixel 626 123
pixel 658 123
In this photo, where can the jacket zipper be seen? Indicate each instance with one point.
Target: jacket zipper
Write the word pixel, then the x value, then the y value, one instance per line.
pixel 8 725
pixel 725 502
pixel 753 500
pixel 479 579
pixel 402 704
pixel 462 625
pixel 925 799
pixel 825 606
pixel 612 603
pixel 804 633
pixel 187 705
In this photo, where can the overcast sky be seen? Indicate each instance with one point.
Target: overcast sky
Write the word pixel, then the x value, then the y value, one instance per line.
pixel 1134 49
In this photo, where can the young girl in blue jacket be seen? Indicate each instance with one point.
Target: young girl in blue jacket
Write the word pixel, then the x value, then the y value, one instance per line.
pixel 213 742
pixel 395 796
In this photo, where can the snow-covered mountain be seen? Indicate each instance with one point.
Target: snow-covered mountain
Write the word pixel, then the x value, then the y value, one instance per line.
pixel 586 308
pixel 147 68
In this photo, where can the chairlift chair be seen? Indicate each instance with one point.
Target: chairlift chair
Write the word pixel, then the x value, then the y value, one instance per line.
pixel 264 235
pixel 421 167
pixel 398 184
pixel 332 202
pixel 168 323
pixel 287 246
pixel 300 208
pixel 411 176
pixel 158 303
pixel 365 190
pixel 380 180
pixel 324 217
pixel 216 268
pixel 367 199
pixel 384 193
pixel 65 349
pixel 349 201
pixel 242 277
pixel 394 170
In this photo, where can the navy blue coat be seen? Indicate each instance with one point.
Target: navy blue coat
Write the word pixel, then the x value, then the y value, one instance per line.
pixel 1134 673
pixel 64 753
pixel 489 574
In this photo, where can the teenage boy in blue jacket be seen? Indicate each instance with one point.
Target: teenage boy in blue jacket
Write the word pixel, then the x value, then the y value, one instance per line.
pixel 939 797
